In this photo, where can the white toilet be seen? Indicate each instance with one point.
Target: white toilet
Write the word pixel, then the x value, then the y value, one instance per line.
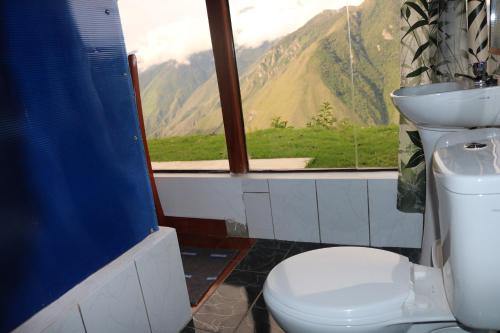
pixel 357 289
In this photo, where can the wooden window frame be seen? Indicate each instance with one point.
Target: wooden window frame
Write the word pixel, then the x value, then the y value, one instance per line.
pixel 221 33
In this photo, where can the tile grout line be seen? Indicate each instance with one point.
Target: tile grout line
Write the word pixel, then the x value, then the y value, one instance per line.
pixel 369 219
pixel 317 211
pixel 81 317
pixel 143 298
pixel 250 308
pixel 271 208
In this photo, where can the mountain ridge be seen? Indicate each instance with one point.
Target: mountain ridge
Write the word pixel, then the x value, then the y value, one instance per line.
pixel 288 78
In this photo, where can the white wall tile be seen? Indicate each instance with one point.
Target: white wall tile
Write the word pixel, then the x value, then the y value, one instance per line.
pixel 216 198
pixel 389 226
pixel 117 307
pixel 343 211
pixel 70 322
pixel 163 285
pixel 295 211
pixel 259 217
pixel 255 185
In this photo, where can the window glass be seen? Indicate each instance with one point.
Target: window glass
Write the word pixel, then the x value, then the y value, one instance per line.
pixel 374 31
pixel 179 90
pixel 315 79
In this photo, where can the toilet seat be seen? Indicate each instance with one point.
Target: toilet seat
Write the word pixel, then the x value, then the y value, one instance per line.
pixel 356 286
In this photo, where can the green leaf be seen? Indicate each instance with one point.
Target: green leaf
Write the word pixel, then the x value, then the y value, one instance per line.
pixel 415 138
pixel 417 72
pixel 419 51
pixel 425 4
pixel 408 12
pixel 416 159
pixel 416 8
pixel 417 25
pixel 482 46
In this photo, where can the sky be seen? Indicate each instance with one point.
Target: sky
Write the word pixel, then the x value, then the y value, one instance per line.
pixel 160 30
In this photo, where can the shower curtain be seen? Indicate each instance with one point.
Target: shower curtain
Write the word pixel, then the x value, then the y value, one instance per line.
pixel 438 39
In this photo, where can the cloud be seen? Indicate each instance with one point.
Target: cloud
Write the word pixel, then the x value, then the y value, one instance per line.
pixel 160 30
pixel 177 40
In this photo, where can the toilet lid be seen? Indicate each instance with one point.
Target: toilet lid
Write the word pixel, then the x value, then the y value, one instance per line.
pixel 341 285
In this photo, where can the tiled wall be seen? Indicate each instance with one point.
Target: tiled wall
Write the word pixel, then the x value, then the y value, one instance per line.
pixel 143 290
pixel 342 208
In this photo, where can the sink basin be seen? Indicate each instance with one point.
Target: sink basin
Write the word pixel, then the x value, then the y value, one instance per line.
pixel 449 105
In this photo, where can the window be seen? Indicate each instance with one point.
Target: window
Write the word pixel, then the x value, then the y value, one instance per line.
pixel 317 86
pixel 314 76
pixel 179 90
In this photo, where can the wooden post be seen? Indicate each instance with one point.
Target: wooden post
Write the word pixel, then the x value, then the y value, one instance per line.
pixel 219 19
pixel 132 63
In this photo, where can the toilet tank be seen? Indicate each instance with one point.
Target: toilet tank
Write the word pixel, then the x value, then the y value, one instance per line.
pixel 466 168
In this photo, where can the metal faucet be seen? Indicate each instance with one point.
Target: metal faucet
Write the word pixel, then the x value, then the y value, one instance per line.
pixel 482 78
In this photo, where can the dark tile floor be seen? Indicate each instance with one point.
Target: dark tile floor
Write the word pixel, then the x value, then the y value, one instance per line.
pixel 237 305
pixel 202 267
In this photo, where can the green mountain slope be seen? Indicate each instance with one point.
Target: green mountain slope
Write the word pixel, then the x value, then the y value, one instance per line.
pixel 290 78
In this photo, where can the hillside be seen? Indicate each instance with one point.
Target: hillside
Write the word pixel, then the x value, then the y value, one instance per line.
pixel 289 78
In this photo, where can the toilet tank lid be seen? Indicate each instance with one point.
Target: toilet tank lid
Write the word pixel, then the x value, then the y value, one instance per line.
pixel 342 285
pixel 469 162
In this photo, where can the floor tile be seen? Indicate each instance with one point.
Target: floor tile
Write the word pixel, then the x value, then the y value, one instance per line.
pixel 259 321
pixel 261 259
pixel 300 247
pixel 260 303
pixel 224 310
pixel 202 267
pixel 412 254
pixel 273 244
pixel 246 279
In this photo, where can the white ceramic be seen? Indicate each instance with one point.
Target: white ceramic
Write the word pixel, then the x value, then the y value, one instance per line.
pixel 438 109
pixel 354 289
pixel 468 184
pixel 450 104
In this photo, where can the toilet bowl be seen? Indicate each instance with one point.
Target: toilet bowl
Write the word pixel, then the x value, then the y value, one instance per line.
pixel 355 289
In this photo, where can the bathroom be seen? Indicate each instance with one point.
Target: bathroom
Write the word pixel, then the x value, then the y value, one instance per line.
pixel 242 166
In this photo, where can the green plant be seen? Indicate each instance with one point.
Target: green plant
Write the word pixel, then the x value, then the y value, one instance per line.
pixel 418 156
pixel 411 187
pixel 324 118
pixel 276 122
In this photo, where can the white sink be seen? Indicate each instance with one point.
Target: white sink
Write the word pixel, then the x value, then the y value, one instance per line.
pixel 449 105
pixel 437 109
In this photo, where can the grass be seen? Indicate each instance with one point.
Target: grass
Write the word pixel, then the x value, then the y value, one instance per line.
pixel 328 148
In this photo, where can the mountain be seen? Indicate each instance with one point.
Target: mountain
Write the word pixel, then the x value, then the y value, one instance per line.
pixel 288 78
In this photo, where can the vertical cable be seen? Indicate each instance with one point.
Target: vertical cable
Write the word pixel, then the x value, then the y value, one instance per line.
pixel 351 56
